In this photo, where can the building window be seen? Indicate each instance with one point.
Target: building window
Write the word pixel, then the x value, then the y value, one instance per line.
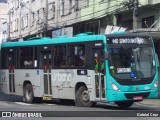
pixel 62 7
pixel 38 16
pixel 52 10
pixel 102 0
pixel 16 4
pixel 44 12
pixel 76 6
pixel 17 24
pixel 27 20
pixel 33 18
pixel 22 23
pixel 70 6
pixel 147 22
pixel 86 3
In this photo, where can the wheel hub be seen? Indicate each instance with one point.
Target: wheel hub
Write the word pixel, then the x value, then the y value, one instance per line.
pixel 29 94
pixel 85 96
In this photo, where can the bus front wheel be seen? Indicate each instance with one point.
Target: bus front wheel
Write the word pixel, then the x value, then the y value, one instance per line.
pixel 124 104
pixel 28 94
pixel 83 98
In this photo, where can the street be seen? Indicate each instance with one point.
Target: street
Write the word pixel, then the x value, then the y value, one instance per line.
pixel 14 103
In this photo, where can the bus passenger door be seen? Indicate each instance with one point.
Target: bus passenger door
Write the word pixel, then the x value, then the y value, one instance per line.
pixel 46 62
pixel 99 68
pixel 11 67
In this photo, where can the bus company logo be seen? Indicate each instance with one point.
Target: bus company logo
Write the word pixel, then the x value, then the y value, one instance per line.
pixel 137 88
pixel 130 88
pixel 62 77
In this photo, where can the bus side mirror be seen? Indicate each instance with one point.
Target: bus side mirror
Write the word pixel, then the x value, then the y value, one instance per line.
pixel 106 55
pixel 157 59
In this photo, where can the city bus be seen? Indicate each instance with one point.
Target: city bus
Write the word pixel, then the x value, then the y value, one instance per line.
pixel 120 68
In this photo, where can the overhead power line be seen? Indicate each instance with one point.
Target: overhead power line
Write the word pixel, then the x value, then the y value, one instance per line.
pixel 101 13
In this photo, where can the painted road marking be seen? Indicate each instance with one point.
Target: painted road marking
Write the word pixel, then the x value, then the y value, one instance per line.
pixel 22 103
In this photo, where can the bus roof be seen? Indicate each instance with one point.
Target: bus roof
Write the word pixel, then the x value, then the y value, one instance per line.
pixel 61 39
pixel 58 40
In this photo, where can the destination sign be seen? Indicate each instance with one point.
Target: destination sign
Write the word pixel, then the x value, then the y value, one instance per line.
pixel 129 40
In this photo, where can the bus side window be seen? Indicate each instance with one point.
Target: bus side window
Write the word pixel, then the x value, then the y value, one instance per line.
pixel 26 57
pixel 70 56
pixel 3 58
pixel 35 58
pixel 60 56
pixel 80 55
pixel 76 55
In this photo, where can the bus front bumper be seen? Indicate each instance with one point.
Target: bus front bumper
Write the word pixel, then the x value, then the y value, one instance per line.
pixel 113 96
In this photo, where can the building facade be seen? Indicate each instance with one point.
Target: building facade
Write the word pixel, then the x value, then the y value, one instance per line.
pixel 28 18
pixel 3 19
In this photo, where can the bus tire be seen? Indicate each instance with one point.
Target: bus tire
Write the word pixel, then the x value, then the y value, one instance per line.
pixel 124 104
pixel 28 94
pixel 83 98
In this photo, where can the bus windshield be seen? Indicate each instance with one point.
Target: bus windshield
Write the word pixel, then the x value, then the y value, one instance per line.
pixel 129 62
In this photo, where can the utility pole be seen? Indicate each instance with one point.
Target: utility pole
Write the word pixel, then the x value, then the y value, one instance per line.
pixel 135 14
pixel 46 19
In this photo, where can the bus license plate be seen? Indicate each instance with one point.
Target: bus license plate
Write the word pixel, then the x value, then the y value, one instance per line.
pixel 138 97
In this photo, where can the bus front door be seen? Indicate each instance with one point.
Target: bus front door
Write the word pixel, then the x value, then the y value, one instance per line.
pixel 11 65
pixel 46 60
pixel 99 74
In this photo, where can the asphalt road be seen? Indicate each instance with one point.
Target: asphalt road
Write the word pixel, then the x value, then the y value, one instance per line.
pixel 14 103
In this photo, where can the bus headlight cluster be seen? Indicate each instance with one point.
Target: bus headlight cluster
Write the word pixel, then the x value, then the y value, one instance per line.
pixel 155 85
pixel 115 87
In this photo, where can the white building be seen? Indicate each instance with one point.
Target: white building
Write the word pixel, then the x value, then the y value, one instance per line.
pixel 3 18
pixel 29 18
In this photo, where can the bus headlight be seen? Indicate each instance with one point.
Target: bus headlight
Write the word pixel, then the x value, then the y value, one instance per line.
pixel 155 85
pixel 115 87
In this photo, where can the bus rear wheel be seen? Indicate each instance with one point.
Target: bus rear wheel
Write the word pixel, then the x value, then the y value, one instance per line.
pixel 124 104
pixel 83 98
pixel 28 94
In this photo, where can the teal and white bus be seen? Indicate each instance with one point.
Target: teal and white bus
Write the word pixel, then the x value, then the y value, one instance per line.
pixel 120 68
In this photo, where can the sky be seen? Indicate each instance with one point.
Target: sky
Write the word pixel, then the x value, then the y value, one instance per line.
pixel 3 1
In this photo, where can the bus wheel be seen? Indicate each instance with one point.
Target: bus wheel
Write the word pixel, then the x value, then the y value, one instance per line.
pixel 83 98
pixel 124 104
pixel 28 94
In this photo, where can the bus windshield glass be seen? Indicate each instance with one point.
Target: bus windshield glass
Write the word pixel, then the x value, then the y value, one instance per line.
pixel 131 61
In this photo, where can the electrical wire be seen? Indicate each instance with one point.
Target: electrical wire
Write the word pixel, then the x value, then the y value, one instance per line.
pixel 72 19
pixel 85 16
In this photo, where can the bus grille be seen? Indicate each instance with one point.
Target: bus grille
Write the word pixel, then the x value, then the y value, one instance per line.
pixel 138 82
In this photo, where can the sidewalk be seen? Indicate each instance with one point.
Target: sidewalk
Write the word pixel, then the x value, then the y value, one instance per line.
pixel 151 102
